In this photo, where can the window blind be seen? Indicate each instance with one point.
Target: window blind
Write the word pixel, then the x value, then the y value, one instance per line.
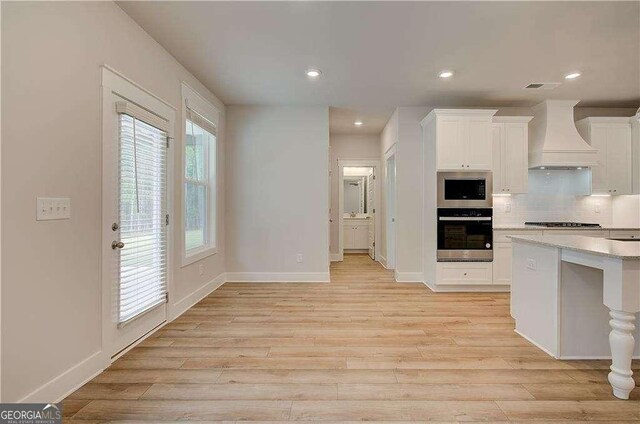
pixel 142 205
pixel 200 120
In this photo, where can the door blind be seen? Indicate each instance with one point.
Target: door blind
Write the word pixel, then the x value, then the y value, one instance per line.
pixel 142 205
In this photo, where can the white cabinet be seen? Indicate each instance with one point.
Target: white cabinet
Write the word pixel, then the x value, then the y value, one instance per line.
pixel 502 263
pixel 625 234
pixel 463 139
pixel 612 138
pixel 584 233
pixel 510 142
pixel 464 273
pixel 502 255
pixel 356 234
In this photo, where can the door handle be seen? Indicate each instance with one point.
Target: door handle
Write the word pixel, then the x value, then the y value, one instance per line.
pixel 117 245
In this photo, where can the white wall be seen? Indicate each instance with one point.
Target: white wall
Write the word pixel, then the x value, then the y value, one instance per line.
pixel 51 142
pixel 347 146
pixel 277 193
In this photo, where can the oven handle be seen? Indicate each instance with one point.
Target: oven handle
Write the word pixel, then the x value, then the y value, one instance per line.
pixel 464 218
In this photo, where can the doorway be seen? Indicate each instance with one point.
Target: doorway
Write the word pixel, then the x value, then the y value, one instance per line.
pixel 390 197
pixel 358 202
pixel 136 172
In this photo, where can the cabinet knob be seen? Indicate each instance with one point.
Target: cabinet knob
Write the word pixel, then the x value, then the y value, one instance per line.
pixel 615 191
pixel 465 273
pixel 463 165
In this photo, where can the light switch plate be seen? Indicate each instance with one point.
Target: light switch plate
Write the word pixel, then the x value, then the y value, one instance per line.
pixel 531 264
pixel 53 208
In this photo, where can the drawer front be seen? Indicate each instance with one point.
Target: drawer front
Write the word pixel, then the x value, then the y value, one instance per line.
pixel 585 233
pixel 625 234
pixel 502 236
pixel 464 273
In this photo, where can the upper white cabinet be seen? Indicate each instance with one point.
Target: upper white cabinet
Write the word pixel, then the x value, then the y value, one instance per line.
pixel 510 154
pixel 612 138
pixel 463 138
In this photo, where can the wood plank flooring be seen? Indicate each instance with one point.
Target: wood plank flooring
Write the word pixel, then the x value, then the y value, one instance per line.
pixel 359 348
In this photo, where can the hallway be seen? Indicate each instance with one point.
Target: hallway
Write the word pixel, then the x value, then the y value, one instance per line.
pixel 359 348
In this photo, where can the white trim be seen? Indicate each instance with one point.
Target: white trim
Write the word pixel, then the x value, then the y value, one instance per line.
pixel 383 261
pixel 335 257
pixel 193 100
pixel 278 277
pixel 377 172
pixel 409 277
pixel 68 381
pixel 511 119
pixel 196 296
pixel 391 242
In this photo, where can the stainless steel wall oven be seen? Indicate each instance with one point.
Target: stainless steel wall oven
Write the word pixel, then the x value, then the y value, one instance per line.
pixel 465 234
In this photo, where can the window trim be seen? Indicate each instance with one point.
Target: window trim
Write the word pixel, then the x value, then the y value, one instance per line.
pixel 202 107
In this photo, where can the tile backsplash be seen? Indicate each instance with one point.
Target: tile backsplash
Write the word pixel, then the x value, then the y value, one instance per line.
pixel 519 208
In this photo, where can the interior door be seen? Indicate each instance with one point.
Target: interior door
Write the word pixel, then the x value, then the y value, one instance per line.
pixel 135 238
pixel 371 213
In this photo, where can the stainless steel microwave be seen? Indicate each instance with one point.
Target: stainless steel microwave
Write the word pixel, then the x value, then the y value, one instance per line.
pixel 465 190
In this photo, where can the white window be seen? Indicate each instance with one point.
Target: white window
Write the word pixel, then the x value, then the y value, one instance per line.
pixel 199 175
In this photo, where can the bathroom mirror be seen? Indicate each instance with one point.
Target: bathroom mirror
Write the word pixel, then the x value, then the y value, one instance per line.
pixel 355 193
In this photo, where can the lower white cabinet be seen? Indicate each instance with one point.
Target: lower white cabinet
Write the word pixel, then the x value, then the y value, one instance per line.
pixel 502 263
pixel 625 234
pixel 464 273
pixel 356 234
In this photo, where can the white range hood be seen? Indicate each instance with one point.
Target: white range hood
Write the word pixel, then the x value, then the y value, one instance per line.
pixel 554 142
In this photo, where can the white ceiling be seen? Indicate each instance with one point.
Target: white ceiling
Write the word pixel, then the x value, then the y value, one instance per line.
pixel 378 55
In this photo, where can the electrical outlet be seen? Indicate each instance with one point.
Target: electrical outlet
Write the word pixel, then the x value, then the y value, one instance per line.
pixel 532 264
pixel 507 207
pixel 299 258
pixel 53 208
pixel 597 207
pixel 201 269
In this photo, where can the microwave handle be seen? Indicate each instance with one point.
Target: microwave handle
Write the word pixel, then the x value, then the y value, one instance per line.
pixel 464 218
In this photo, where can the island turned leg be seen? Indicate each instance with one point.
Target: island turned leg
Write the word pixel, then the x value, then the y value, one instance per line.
pixel 622 343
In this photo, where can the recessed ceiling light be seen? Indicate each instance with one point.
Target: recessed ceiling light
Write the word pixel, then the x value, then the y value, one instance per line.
pixel 572 75
pixel 313 73
pixel 446 74
pixel 358 123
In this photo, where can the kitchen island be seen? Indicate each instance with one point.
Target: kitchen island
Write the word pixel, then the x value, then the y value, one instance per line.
pixel 565 289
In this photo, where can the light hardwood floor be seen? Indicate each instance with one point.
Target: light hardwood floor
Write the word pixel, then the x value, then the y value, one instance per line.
pixel 360 348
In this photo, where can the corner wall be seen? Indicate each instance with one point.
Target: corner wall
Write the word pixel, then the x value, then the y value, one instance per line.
pixel 51 142
pixel 277 193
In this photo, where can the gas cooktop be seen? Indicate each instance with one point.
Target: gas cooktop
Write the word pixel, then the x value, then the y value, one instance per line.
pixel 562 224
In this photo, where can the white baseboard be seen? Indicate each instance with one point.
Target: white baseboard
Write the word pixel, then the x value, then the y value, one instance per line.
pixel 409 277
pixel 383 261
pixel 191 299
pixel 66 383
pixel 278 277
pixel 75 377
pixel 335 257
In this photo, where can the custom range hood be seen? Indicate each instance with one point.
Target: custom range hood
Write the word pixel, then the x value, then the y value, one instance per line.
pixel 554 142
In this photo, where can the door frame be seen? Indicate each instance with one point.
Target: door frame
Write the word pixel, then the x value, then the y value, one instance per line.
pixel 368 163
pixel 390 260
pixel 114 83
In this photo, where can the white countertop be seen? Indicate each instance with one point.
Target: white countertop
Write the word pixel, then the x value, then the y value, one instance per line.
pixel 536 227
pixel 627 250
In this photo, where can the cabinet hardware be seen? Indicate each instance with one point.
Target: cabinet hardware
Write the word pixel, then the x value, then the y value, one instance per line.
pixel 117 245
